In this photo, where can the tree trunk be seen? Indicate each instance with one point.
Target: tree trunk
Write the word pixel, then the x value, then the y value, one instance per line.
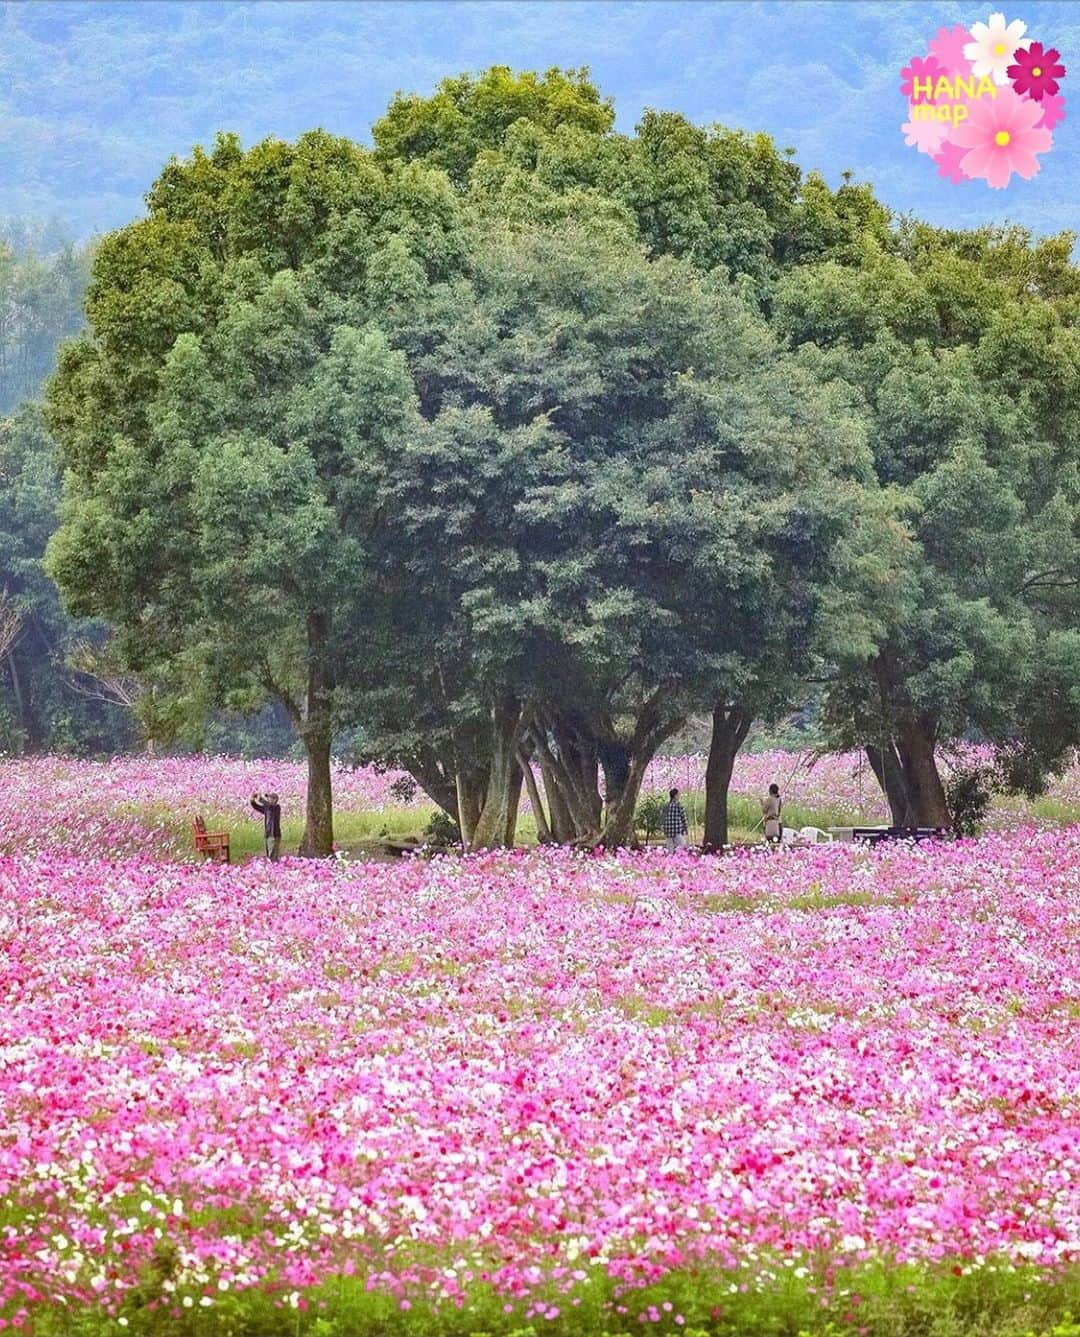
pixel 730 725
pixel 615 760
pixel 649 732
pixel 470 801
pixel 562 822
pixel 16 688
pixel 890 776
pixel 578 770
pixel 434 778
pixel 506 730
pixel 543 829
pixel 575 805
pixel 619 824
pixel 915 746
pixel 318 839
pixel 317 733
pixel 516 778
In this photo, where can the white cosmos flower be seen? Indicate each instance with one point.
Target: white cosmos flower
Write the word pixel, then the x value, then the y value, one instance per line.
pixel 994 47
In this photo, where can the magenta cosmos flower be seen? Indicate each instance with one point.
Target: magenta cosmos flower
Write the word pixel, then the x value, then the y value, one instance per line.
pixel 1001 138
pixel 1036 72
pixel 925 69
pixel 1053 110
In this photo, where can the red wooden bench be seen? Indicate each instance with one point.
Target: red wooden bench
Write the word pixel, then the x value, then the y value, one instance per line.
pixel 214 844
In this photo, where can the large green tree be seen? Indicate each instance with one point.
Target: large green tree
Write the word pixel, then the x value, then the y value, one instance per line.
pixel 542 148
pixel 219 420
pixel 728 203
pixel 481 439
pixel 625 502
pixel 968 368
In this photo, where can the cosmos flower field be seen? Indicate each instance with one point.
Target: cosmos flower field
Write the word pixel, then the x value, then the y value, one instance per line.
pixel 534 1090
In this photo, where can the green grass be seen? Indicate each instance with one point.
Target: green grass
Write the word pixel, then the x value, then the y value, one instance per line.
pixel 352 830
pixel 356 832
pixel 744 816
pixel 1055 811
pixel 767 1300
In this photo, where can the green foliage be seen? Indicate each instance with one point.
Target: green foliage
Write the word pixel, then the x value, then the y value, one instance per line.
pixel 41 295
pixel 614 444
pixel 721 198
pixel 970 791
pixel 221 423
pixel 441 829
pixel 542 149
pixel 868 1300
pixel 968 381
pixel 43 704
pixel 649 815
pixel 467 115
pixel 481 441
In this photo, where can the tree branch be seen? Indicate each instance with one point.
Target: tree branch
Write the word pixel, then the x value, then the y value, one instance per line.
pixel 268 681
pixel 11 623
pixel 1044 580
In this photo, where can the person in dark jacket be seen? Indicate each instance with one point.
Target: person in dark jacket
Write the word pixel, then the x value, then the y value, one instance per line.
pixel 270 808
pixel 676 831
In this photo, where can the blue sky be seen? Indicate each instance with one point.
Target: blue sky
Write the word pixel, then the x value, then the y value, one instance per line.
pixel 95 96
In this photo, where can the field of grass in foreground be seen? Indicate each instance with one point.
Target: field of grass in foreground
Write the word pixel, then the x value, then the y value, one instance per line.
pixel 866 1301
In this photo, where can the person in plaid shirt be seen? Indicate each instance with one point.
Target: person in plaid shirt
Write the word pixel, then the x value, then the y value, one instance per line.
pixel 675 828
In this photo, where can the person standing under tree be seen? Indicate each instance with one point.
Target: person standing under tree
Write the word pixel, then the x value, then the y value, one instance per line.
pixel 270 808
pixel 771 808
pixel 676 830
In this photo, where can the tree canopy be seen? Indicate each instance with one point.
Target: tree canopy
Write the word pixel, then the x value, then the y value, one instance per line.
pixel 218 421
pixel 969 379
pixel 618 474
pixel 516 440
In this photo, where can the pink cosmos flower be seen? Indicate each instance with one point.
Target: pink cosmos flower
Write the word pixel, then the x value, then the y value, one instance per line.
pixel 920 69
pixel 926 136
pixel 948 49
pixel 1001 138
pixel 1036 72
pixel 948 159
pixel 1053 111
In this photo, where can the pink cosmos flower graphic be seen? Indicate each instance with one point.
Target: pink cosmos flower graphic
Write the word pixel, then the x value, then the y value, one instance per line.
pixel 921 68
pixel 926 136
pixel 1053 111
pixel 948 159
pixel 1036 72
pixel 1001 138
pixel 948 49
